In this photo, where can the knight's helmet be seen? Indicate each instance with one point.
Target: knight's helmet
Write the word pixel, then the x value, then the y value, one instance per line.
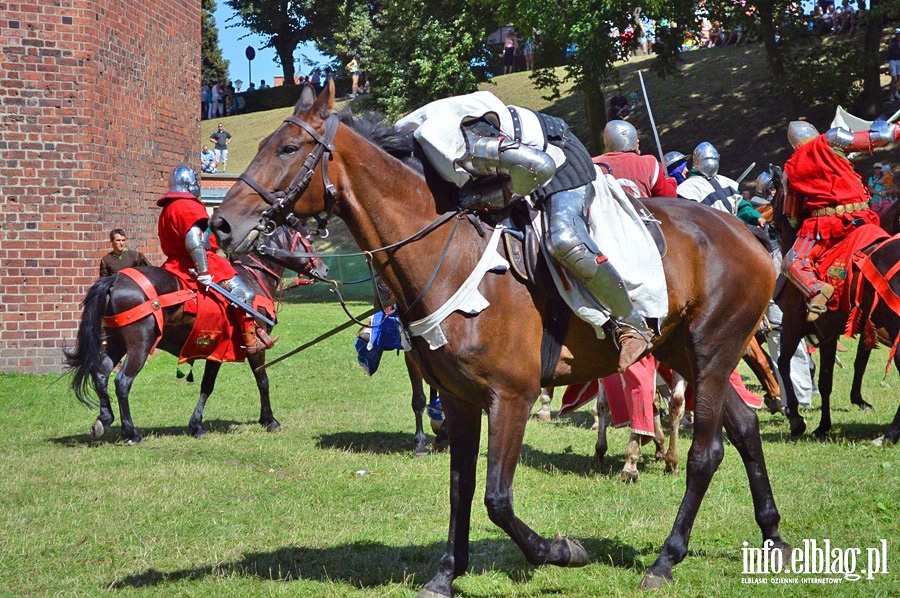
pixel 620 136
pixel 764 184
pixel 799 132
pixel 674 160
pixel 706 160
pixel 184 178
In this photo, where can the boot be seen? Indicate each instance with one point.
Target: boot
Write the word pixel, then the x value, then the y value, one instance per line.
pixel 818 304
pixel 256 338
pixel 634 335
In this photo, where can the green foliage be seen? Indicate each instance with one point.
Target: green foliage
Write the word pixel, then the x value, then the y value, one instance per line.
pixel 214 67
pixel 824 73
pixel 413 51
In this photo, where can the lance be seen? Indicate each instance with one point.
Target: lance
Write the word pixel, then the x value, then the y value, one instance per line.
pixel 662 159
pixel 745 173
pixel 238 302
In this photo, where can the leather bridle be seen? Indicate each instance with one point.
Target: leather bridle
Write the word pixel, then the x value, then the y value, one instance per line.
pixel 281 203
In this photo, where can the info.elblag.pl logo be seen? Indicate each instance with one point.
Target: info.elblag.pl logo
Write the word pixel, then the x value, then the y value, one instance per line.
pixel 814 562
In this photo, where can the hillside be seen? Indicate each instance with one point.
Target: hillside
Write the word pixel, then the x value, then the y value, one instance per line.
pixel 720 97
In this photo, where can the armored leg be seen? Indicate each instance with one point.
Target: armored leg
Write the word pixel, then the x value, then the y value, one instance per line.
pixel 798 268
pixel 256 338
pixel 568 240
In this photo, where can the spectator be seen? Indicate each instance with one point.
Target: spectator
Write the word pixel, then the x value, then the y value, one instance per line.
pixel 120 257
pixel 252 86
pixel 262 84
pixel 510 47
pixel 618 107
pixel 221 138
pixel 205 96
pixel 352 67
pixel 207 160
pixel 316 79
pixel 894 64
pixel 217 105
pixel 528 54
pixel 887 183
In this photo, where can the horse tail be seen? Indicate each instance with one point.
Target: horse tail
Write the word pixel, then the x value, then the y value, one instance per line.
pixel 85 358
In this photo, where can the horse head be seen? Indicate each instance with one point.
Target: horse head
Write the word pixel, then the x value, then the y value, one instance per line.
pixel 288 176
pixel 286 247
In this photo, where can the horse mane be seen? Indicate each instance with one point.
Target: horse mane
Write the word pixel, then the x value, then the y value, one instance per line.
pixel 373 127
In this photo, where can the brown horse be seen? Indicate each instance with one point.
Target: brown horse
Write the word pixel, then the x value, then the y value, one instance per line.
pixel 492 362
pixel 99 350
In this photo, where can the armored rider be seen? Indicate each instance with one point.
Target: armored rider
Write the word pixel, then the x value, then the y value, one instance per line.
pixel 704 183
pixel 185 240
pixel 676 166
pixel 826 198
pixel 496 154
pixel 642 176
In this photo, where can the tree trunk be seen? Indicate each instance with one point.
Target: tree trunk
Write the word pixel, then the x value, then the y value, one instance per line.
pixel 775 58
pixel 284 47
pixel 595 110
pixel 868 104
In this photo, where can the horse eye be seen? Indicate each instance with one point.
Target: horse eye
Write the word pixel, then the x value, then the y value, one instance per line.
pixel 289 149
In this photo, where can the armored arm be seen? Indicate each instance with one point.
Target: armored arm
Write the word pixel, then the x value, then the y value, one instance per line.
pixel 195 243
pixel 524 169
pixel 880 134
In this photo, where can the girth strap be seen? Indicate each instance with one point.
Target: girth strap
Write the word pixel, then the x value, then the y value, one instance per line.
pixel 153 305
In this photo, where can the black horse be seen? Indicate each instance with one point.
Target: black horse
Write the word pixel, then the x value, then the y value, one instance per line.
pixel 99 350
pixel 881 321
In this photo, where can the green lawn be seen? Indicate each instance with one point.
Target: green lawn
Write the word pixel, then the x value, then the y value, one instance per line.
pixel 247 513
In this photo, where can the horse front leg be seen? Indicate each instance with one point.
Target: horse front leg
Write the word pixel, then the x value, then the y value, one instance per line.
pixel 507 416
pixel 544 399
pixel 418 404
pixel 704 457
pixel 463 423
pixel 266 417
pixel 742 427
pixel 790 340
pixel 859 369
pixel 630 473
pixel 195 424
pixel 827 354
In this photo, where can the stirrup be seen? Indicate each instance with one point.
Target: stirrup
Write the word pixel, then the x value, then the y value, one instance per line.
pixel 818 305
pixel 633 344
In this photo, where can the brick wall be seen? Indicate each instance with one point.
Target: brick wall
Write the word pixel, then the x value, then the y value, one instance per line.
pixel 97 104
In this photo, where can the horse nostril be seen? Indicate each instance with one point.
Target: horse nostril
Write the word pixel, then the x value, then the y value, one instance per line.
pixel 220 226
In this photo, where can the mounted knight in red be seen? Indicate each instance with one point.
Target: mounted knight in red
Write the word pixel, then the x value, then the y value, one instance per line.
pixel 829 202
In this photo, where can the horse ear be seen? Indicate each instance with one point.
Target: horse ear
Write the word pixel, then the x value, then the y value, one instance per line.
pixel 307 97
pixel 325 102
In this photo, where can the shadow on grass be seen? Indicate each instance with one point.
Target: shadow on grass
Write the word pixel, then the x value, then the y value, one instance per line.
pixel 213 426
pixel 378 443
pixel 373 564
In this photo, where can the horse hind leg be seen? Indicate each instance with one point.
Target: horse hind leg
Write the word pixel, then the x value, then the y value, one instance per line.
pixel 601 409
pixel 827 355
pixel 138 350
pixel 101 383
pixel 630 473
pixel 544 399
pixel 266 416
pixel 418 404
pixel 742 427
pixel 859 369
pixel 676 412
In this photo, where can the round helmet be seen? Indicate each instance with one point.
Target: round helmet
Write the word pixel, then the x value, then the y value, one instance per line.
pixel 673 158
pixel 799 132
pixel 706 160
pixel 184 178
pixel 764 183
pixel 620 136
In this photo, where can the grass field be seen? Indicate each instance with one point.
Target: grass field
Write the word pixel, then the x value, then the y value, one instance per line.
pixel 248 513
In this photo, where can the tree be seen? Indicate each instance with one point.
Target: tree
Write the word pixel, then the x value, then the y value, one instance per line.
pixel 585 27
pixel 284 24
pixel 414 51
pixel 213 67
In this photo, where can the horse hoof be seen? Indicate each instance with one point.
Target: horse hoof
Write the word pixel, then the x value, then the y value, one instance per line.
pixel 671 469
pixel 883 441
pixel 135 442
pixel 97 430
pixel 864 406
pixel 654 582
pixel 273 428
pixel 420 453
pixel 426 593
pixel 578 556
pixel 630 477
pixel 541 416
pixel 798 426
pixel 820 433
pixel 198 434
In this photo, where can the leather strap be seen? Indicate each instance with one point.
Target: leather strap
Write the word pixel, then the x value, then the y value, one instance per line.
pixel 153 305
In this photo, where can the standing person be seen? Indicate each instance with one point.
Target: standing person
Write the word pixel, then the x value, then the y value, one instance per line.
pixel 528 54
pixel 185 240
pixel 316 79
pixel 826 198
pixel 221 138
pixel 217 104
pixel 204 100
pixel 875 186
pixel 894 64
pixel 353 67
pixel 510 47
pixel 120 257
